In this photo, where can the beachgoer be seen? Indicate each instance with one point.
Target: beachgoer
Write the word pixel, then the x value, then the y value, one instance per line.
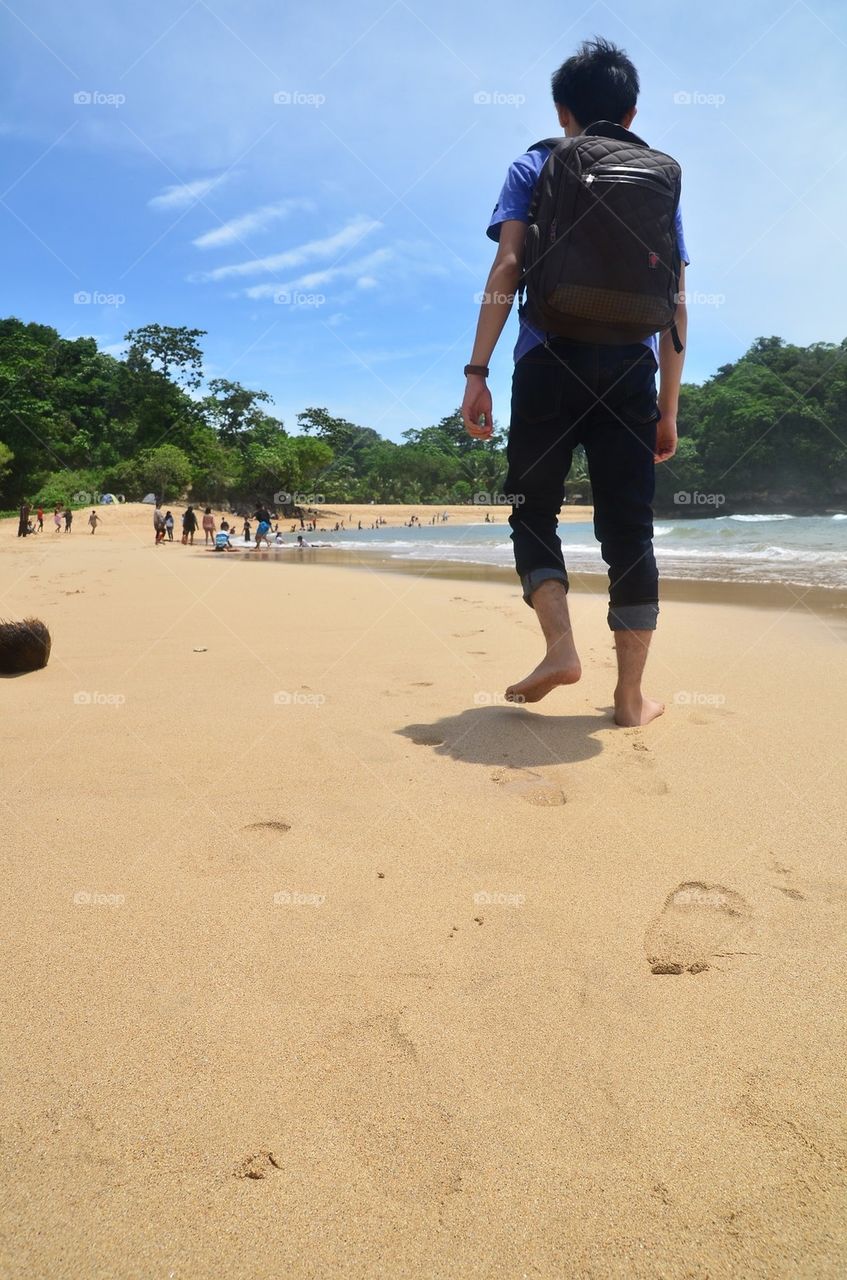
pixel 69 519
pixel 263 528
pixel 57 521
pixel 189 525
pixel 169 525
pixel 23 520
pixel 222 542
pixel 209 527
pixel 40 519
pixel 158 525
pixel 579 383
pixel 94 520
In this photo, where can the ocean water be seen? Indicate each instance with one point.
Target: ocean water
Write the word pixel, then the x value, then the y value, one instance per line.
pixel 806 551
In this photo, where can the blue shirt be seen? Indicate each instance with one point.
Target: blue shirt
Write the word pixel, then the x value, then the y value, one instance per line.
pixel 513 205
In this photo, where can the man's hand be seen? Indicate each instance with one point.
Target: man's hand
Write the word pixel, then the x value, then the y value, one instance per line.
pixel 477 402
pixel 666 438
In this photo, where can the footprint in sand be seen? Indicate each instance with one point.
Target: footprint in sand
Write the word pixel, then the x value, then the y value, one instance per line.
pixel 646 782
pixel 258 1165
pixel 698 923
pixel 379 1099
pixel 273 827
pixel 529 786
pixel 814 913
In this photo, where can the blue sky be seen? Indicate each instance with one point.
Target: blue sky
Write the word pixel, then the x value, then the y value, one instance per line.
pixel 311 184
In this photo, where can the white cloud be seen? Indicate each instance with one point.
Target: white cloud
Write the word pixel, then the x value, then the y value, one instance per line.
pixel 327 275
pixel 258 220
pixel 366 282
pixel 183 193
pixel 297 257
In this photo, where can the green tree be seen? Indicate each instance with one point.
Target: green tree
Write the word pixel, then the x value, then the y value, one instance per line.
pixel 157 346
pixel 166 471
pixel 6 459
pixel 232 410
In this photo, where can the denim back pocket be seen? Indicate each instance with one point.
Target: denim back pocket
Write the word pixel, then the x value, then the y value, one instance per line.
pixel 631 391
pixel 537 389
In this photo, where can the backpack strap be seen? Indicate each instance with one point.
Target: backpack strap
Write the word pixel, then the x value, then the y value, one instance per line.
pixel 599 129
pixel 605 129
pixel 548 144
pixel 545 144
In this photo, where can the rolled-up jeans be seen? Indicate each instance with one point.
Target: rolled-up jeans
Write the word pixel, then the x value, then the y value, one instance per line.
pixel 603 397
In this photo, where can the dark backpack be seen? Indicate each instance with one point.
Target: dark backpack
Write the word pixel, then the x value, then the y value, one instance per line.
pixel 602 261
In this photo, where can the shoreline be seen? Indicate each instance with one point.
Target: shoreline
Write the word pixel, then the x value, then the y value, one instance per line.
pixel 825 601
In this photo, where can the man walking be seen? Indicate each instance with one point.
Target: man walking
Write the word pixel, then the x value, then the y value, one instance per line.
pixel 590 225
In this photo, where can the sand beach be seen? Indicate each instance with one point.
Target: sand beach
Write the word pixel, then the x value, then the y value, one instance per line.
pixel 320 959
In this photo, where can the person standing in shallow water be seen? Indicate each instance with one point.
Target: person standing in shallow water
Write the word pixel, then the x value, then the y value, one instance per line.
pixel 596 388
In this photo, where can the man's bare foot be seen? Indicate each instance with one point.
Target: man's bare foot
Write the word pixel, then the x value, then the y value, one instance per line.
pixel 635 710
pixel 549 673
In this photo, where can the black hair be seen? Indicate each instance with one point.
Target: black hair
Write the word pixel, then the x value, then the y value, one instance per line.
pixel 598 83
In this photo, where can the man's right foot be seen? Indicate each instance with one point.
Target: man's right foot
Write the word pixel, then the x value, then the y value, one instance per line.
pixel 548 675
pixel 631 712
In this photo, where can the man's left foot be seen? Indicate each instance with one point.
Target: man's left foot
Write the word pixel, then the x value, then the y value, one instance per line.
pixel 547 676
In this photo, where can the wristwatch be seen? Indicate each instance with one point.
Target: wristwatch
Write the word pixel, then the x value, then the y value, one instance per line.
pixel 481 370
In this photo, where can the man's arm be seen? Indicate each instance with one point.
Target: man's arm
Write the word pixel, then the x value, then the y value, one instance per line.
pixel 500 289
pixel 670 377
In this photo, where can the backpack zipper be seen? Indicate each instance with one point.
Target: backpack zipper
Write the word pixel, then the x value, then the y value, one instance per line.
pixel 620 173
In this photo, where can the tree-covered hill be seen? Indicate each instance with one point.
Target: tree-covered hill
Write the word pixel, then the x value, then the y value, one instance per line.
pixel 766 432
